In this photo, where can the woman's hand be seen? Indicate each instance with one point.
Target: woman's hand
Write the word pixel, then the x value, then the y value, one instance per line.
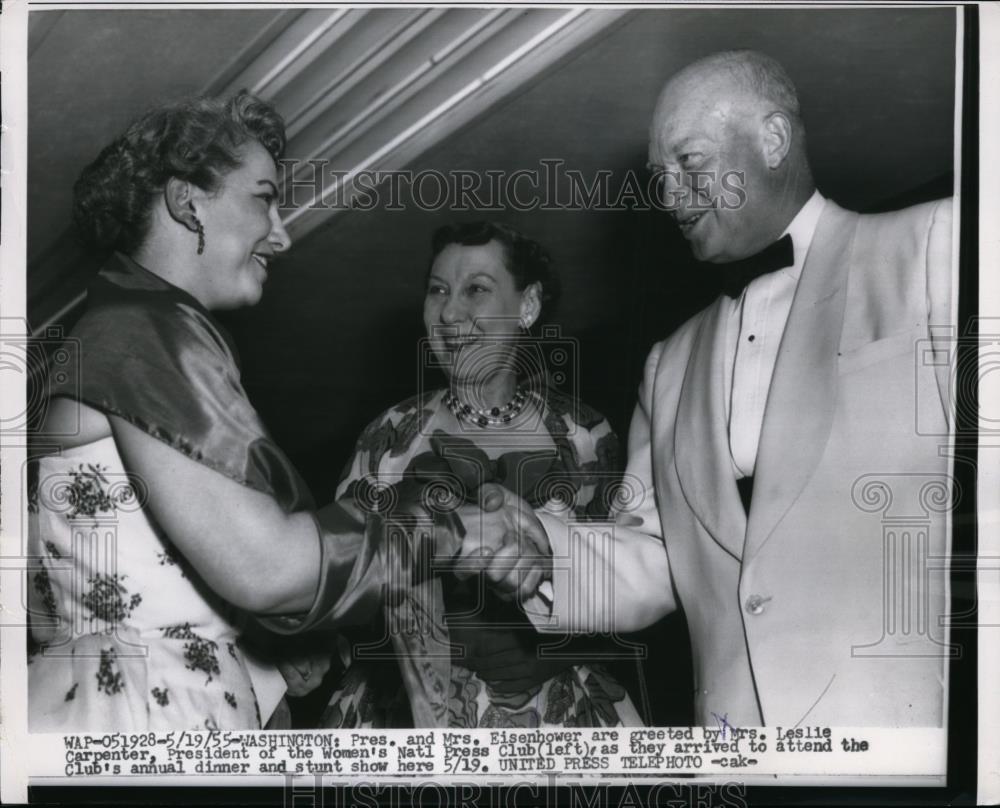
pixel 304 674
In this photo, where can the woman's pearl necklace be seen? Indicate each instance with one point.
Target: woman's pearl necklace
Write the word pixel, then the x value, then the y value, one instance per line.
pixel 487 417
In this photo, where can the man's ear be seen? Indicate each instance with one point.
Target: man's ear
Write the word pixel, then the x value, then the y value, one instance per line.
pixel 179 197
pixel 531 304
pixel 777 138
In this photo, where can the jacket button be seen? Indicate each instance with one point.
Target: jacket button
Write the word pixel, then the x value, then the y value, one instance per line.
pixel 755 604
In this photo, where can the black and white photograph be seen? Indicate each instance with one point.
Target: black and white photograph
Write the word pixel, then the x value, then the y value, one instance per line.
pixel 419 395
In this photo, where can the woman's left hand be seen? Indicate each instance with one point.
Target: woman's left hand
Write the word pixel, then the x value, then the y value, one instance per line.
pixel 304 674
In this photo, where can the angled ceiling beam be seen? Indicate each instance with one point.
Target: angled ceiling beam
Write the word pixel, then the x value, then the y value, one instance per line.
pixel 409 79
pixel 344 70
pixel 292 52
pixel 445 88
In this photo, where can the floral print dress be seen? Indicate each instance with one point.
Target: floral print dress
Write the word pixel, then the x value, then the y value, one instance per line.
pixel 126 638
pixel 565 460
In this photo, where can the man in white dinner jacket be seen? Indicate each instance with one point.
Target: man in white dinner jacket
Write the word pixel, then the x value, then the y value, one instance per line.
pixel 788 438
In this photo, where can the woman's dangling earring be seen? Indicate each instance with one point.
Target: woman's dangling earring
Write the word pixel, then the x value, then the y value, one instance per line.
pixel 201 234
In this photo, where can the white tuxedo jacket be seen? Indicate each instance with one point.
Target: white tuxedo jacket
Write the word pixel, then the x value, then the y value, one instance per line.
pixel 825 604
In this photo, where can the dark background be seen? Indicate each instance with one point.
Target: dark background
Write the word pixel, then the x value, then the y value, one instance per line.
pixel 334 341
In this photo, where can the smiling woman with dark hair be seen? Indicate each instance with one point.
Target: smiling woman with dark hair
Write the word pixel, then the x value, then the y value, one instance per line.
pixel 498 421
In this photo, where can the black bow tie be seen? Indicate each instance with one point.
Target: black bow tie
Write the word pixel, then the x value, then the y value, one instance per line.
pixel 736 275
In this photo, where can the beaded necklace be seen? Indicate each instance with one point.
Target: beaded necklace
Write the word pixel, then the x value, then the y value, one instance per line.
pixel 491 416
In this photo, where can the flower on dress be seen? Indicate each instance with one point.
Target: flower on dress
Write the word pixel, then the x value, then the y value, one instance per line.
pixel 161 696
pixel 513 701
pixel 89 495
pixel 410 426
pixel 199 652
pixel 559 699
pixel 575 411
pixel 556 422
pixel 33 496
pixel 463 710
pixel 607 449
pixel 496 717
pixel 106 599
pixel 375 442
pixel 109 680
pixel 604 693
pixel 168 558
pixel 42 584
pixel 200 656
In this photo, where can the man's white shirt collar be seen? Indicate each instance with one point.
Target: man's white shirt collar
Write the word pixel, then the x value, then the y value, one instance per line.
pixel 802 229
pixel 755 324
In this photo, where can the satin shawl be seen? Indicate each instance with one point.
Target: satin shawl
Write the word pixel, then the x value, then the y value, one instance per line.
pixel 152 354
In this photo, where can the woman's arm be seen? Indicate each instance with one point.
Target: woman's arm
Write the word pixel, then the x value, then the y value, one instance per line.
pixel 240 541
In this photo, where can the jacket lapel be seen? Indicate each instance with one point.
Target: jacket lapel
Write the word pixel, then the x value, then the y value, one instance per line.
pixel 802 398
pixel 701 438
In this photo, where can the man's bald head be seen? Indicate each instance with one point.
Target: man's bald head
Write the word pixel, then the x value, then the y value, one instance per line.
pixel 752 77
pixel 731 121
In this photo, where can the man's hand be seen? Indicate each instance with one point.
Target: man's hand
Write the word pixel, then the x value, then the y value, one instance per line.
pixel 505 541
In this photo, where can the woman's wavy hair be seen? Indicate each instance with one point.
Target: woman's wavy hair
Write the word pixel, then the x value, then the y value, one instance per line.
pixel 197 140
pixel 526 260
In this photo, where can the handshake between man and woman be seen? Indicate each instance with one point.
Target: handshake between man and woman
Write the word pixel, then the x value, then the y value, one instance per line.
pixel 757 425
